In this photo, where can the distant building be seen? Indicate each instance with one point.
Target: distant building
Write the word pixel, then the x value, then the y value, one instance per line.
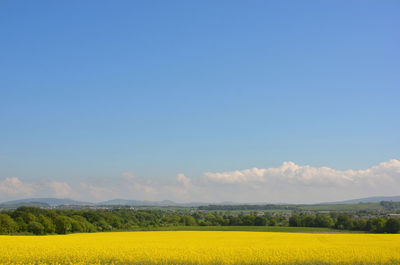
pixel 394 215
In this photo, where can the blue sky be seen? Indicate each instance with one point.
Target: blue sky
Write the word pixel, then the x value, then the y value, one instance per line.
pixel 92 89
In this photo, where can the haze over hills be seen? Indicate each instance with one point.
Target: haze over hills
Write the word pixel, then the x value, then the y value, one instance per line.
pixel 57 202
pixel 149 203
pixel 49 202
pixel 369 199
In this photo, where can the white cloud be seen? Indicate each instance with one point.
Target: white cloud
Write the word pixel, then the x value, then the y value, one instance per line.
pixel 295 183
pixel 94 192
pixel 13 186
pixel 184 180
pixel 59 189
pixel 291 174
pixel 288 183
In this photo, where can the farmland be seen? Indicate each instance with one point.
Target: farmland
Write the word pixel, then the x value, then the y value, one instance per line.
pixel 31 220
pixel 201 247
pixel 286 229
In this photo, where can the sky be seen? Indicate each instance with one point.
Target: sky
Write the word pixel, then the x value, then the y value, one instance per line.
pixel 247 101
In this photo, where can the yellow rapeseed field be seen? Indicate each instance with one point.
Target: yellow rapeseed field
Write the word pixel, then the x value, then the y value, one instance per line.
pixel 189 247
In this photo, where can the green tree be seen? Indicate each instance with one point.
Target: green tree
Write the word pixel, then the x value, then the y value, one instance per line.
pixel 272 222
pixel 221 220
pixel 392 225
pixel 360 224
pixel 188 220
pixel 80 224
pixel 7 224
pixel 63 225
pixel 294 221
pixel 376 225
pixel 344 222
pixel 102 225
pixel 211 219
pixel 36 228
pixel 77 227
pixel 21 225
pixel 235 220
pixel 49 227
pixel 260 221
pixel 324 221
pixel 248 220
pixel 308 220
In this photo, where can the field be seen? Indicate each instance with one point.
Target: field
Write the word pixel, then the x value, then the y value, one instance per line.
pixel 247 228
pixel 370 206
pixel 201 247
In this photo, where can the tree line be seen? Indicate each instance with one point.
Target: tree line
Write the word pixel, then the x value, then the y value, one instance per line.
pixel 346 222
pixel 32 220
pixel 245 207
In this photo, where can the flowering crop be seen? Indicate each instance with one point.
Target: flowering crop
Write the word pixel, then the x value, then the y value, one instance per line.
pixel 189 247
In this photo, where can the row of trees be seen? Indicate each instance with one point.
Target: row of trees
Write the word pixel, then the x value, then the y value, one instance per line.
pixel 246 207
pixel 40 221
pixel 375 225
pixel 383 206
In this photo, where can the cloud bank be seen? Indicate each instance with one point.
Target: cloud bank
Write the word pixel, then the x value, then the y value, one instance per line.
pixel 290 183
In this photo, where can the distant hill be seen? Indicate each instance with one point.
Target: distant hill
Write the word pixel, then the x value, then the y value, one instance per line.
pixel 51 202
pixel 16 205
pixel 137 203
pixel 149 203
pixel 368 199
pixel 46 201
